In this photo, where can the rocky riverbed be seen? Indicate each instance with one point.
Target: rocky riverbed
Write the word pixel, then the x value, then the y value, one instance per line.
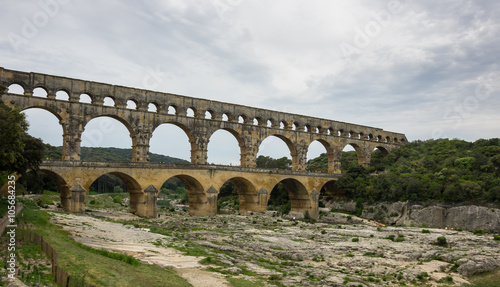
pixel 274 251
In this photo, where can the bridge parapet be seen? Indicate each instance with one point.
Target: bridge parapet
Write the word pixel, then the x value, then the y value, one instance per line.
pixel 177 166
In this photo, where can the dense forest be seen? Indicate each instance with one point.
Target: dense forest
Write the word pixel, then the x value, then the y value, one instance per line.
pixel 434 170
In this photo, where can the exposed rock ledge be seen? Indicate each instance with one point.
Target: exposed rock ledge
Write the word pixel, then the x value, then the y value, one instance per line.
pixel 466 217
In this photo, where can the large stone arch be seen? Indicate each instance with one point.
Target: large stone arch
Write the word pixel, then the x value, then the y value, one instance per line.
pixel 142 201
pixel 382 149
pixel 239 139
pixel 187 131
pixel 359 151
pixel 291 147
pixel 125 123
pixel 330 189
pixel 63 188
pixel 329 152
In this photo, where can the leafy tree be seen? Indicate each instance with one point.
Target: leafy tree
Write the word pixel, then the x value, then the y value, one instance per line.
pixel 19 152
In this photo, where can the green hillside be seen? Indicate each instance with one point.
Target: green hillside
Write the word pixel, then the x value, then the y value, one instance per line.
pixel 108 154
pixel 433 170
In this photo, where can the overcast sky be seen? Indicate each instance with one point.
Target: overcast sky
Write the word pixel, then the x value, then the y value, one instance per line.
pixel 424 69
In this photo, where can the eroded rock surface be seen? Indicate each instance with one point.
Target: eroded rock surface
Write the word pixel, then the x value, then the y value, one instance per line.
pixel 294 253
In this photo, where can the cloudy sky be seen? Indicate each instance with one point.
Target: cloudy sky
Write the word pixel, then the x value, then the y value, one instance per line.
pixel 424 69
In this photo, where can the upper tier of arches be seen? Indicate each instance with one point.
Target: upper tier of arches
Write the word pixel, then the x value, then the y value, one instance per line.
pixel 100 94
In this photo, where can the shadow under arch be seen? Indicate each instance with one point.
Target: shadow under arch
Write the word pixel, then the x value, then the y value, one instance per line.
pixel 138 198
pixel 291 148
pixel 382 150
pixel 330 189
pixel 64 189
pixel 198 198
pixel 241 144
pixel 248 196
pixel 300 199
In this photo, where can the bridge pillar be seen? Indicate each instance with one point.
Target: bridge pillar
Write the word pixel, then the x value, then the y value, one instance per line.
pixel 76 200
pixel 144 204
pixel 337 161
pixel 307 205
pixel 73 129
pixel 140 148
pixel 199 149
pixel 254 203
pixel 204 204
pixel 299 160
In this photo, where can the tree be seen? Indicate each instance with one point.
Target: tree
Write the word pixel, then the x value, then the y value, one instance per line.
pixel 19 152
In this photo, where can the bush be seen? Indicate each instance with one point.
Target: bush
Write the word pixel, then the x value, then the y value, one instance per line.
pixel 496 237
pixel 285 209
pixel 117 199
pixel 441 241
pixel 400 238
pixel 479 232
pixel 425 231
pixel 355 239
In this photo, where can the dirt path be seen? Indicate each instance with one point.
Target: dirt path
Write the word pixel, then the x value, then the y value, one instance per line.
pixel 143 245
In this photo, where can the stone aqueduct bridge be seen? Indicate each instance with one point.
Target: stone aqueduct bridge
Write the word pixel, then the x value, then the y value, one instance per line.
pixel 250 126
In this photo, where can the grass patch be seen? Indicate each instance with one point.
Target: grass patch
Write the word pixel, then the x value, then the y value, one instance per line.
pixel 485 280
pixel 118 256
pixel 238 282
pixel 97 269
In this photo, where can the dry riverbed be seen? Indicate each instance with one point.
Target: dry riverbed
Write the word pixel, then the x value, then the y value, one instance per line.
pixel 273 251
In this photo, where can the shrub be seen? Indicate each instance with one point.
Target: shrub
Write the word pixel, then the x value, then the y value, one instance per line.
pixel 391 237
pixel 425 231
pixel 400 238
pixel 441 241
pixel 479 232
pixel 496 237
pixel 355 239
pixel 117 199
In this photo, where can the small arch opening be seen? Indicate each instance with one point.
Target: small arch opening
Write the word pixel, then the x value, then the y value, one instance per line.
pixel 62 96
pixel 40 93
pixel 225 117
pixel 108 102
pixel 190 112
pixel 16 89
pixel 209 115
pixel 241 119
pixel 152 107
pixel 131 105
pixel 172 110
pixel 85 98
